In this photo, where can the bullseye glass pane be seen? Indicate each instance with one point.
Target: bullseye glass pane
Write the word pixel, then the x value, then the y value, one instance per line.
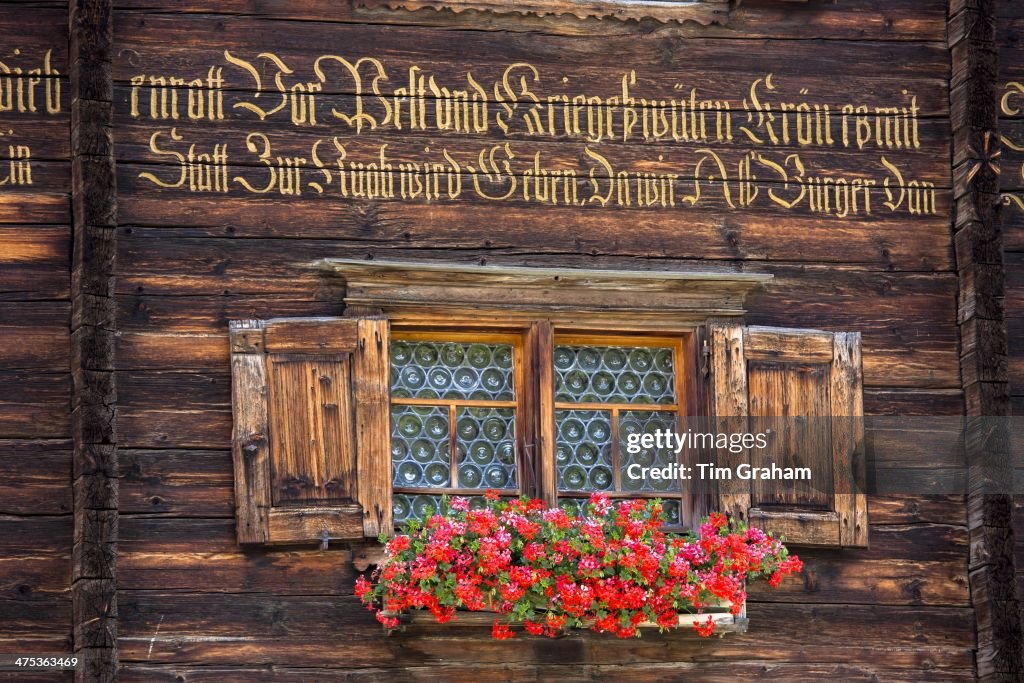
pixel 406 506
pixel 583 453
pixel 451 370
pixel 641 422
pixel 419 447
pixel 485 439
pixel 614 374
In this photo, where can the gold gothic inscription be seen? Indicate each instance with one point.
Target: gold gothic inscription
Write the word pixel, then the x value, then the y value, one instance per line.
pixel 28 85
pixel 361 122
pixel 1011 104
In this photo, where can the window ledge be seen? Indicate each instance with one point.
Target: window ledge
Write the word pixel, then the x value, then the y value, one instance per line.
pixel 725 622
pixel 657 299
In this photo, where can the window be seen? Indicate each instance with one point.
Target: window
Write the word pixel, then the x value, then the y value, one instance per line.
pixel 458 407
pixel 455 428
pixel 530 380
pixel 606 389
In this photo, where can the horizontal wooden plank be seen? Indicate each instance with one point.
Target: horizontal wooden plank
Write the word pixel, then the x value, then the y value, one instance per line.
pixel 35 32
pixel 192 483
pixel 163 553
pixel 35 476
pixel 367 648
pixel 672 197
pixel 39 575
pixel 788 345
pixel 914 509
pixel 34 262
pixel 310 335
pixel 542 673
pixel 46 135
pixel 892 581
pixel 35 556
pixel 42 533
pixel 913 402
pixel 35 405
pixel 899 20
pixel 50 618
pixel 45 207
pixel 710 236
pixel 907 443
pixel 143 427
pixel 704 13
pixel 33 182
pixel 35 335
pixel 140 313
pixel 175 46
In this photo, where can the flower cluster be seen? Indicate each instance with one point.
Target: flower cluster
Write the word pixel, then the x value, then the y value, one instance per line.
pixel 611 568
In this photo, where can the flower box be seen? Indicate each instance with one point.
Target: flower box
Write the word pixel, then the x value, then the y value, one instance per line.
pixel 724 620
pixel 612 569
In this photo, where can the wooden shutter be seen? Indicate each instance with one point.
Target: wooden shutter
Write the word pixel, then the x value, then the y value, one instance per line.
pixel 309 398
pixel 807 387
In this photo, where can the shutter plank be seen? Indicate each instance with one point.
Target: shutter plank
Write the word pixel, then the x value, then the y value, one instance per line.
pixel 315 524
pixel 542 350
pixel 768 343
pixel 314 452
pixel 819 528
pixel 792 400
pixel 372 413
pixel 729 376
pixel 250 444
pixel 310 335
pixel 848 440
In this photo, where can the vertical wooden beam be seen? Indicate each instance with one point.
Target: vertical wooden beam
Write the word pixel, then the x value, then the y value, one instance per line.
pixel 93 328
pixel 978 238
pixel 541 344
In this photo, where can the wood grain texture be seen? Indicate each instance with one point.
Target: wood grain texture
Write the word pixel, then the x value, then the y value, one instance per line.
pixel 187 264
pixel 250 440
pixel 982 319
pixel 310 414
pixel 804 388
pixel 38 511
pixel 311 433
pixel 372 413
pixel 699 11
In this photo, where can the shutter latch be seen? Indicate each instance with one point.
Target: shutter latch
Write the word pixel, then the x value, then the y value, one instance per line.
pixel 324 537
pixel 705 360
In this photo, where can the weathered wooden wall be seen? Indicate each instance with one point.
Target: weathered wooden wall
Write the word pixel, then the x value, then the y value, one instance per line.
pixel 1010 35
pixel 191 604
pixel 35 386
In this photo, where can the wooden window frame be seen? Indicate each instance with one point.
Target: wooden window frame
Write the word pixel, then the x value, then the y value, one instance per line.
pixel 519 404
pixel 536 430
pixel 682 345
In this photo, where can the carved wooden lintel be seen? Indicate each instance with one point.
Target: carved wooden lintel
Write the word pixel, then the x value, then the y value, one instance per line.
pixel 701 11
pixel 649 299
